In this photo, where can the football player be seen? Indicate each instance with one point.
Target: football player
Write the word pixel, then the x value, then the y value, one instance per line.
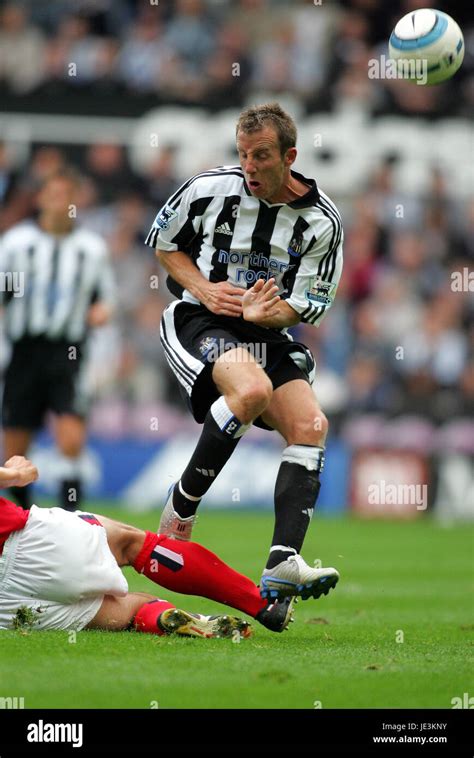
pixel 62 570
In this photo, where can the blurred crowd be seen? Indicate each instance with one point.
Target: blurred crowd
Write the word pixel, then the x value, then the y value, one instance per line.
pixel 400 338
pixel 218 53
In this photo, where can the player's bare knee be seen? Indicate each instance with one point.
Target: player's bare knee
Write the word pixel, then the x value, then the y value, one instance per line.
pixel 253 397
pixel 320 428
pixel 131 543
pixel 125 541
pixel 312 430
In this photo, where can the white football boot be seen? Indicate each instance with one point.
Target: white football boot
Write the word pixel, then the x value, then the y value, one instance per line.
pixel 293 577
pixel 172 524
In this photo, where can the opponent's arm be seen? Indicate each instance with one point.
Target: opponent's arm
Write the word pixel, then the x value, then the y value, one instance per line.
pixel 220 298
pixel 17 472
pixel 263 306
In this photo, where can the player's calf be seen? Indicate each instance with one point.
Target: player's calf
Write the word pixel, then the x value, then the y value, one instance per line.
pixel 223 428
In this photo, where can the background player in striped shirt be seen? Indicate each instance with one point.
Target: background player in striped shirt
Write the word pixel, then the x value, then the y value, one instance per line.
pixel 252 250
pixel 66 289
pixel 62 570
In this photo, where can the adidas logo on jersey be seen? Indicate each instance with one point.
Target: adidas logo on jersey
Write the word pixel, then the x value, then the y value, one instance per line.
pixel 223 229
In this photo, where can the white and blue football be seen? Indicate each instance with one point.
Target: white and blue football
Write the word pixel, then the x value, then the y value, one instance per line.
pixel 430 36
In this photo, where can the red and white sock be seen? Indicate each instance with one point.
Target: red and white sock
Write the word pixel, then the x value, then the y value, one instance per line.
pixel 190 568
pixel 146 618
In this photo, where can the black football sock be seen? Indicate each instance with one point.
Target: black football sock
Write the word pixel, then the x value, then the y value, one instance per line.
pixel 70 494
pixel 184 504
pixel 21 496
pixel 296 491
pixel 219 438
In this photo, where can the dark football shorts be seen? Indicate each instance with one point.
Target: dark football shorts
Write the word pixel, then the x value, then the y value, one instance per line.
pixel 43 375
pixel 193 338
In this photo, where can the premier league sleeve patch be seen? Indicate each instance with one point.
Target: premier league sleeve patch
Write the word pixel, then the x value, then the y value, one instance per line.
pixel 320 292
pixel 164 217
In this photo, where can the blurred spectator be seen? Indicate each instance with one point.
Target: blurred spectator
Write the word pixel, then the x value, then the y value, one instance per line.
pixel 161 176
pixel 367 329
pixel 256 19
pixel 144 377
pixel 437 345
pixel 132 268
pixel 190 34
pixel 143 51
pixel 229 69
pixel 409 253
pixel 22 48
pixel 399 307
pixel 107 164
pixel 370 388
pixel 87 57
pixel 361 252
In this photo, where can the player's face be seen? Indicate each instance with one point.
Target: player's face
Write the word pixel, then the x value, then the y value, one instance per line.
pixel 266 170
pixel 56 197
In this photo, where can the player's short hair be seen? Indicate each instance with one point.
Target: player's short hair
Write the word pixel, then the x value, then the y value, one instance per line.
pixel 68 173
pixel 254 118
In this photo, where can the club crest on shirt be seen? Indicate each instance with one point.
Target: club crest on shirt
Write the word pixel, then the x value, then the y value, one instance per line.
pixel 165 217
pixel 295 248
pixel 320 292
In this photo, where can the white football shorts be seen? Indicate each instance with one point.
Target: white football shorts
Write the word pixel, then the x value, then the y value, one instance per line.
pixel 61 567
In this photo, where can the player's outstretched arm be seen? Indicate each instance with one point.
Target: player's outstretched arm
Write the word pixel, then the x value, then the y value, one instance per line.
pixel 220 298
pixel 18 472
pixel 261 305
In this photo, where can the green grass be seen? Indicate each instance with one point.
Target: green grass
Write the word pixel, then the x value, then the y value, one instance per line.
pixel 398 581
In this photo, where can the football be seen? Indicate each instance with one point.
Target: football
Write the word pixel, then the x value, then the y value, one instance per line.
pixel 427 40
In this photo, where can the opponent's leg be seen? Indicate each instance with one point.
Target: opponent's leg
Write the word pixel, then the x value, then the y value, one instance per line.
pixel 245 392
pixel 295 413
pixel 16 441
pixel 70 434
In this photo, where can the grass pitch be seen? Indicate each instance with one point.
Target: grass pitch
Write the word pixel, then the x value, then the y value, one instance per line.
pixel 397 632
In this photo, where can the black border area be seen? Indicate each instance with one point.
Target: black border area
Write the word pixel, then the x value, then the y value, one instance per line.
pixel 229 732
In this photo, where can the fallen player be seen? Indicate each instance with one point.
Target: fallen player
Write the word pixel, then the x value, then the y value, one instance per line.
pixel 62 570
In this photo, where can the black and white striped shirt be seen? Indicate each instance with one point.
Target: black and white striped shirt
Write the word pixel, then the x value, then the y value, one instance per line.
pixel 233 236
pixel 48 282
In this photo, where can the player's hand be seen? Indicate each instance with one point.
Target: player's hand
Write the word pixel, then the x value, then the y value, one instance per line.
pixel 18 472
pixel 98 315
pixel 260 302
pixel 222 298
